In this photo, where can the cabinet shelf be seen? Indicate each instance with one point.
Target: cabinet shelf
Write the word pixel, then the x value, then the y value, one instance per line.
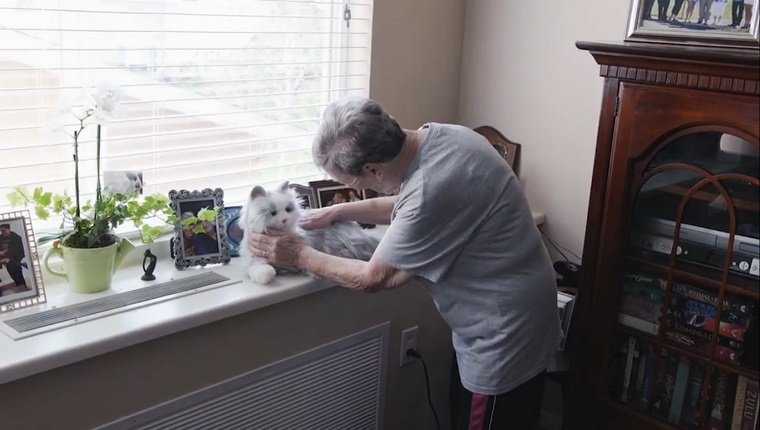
pixel 641 418
pixel 709 197
pixel 690 352
pixel 697 275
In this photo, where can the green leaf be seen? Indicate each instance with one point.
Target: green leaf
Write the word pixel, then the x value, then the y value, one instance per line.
pixel 41 212
pixel 207 214
pixel 17 196
pixel 189 221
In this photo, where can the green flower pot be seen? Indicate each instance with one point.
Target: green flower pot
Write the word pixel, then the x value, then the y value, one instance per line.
pixel 89 270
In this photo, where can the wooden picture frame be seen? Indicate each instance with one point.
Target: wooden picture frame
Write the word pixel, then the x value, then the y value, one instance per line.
pixel 199 248
pixel 330 192
pixel 305 195
pixel 510 151
pixel 698 23
pixel 19 262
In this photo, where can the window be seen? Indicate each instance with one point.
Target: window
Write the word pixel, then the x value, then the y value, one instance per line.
pixel 218 93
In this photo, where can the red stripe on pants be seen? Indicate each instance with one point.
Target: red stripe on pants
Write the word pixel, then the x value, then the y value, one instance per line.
pixel 478 406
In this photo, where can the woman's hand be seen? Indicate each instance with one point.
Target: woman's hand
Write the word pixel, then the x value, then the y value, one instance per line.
pixel 277 247
pixel 318 218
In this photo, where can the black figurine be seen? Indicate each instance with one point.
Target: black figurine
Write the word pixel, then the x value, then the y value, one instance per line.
pixel 151 260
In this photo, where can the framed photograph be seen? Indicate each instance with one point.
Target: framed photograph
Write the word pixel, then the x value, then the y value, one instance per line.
pixel 199 242
pixel 232 229
pixel 123 181
pixel 508 150
pixel 719 23
pixel 305 195
pixel 20 276
pixel 330 192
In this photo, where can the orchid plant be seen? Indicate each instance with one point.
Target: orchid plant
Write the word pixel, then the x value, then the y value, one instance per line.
pixel 90 225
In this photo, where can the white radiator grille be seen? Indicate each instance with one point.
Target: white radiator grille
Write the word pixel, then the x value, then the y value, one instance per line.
pixel 337 386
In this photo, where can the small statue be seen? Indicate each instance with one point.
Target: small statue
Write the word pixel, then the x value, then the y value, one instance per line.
pixel 151 260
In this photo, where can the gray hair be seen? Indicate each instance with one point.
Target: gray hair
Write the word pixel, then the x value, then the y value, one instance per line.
pixel 356 131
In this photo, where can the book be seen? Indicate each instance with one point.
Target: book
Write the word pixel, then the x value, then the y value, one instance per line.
pixel 640 307
pixel 703 315
pixel 741 388
pixel 690 414
pixel 666 384
pixel 638 323
pixel 679 390
pixel 736 305
pixel 617 366
pixel 721 401
pixel 565 305
pixel 642 285
pixel 631 355
pixel 750 408
pixel 644 392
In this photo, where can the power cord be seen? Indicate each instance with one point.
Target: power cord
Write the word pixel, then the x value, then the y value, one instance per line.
pixel 411 352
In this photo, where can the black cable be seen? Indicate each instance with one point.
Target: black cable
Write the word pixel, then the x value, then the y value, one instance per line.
pixel 412 353
pixel 557 247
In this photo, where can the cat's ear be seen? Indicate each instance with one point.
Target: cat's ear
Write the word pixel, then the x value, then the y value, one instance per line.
pixel 283 187
pixel 258 191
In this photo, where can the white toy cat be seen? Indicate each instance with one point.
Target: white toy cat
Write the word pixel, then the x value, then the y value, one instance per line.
pixel 279 209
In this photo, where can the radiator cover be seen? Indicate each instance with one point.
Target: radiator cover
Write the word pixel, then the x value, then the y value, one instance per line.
pixel 340 385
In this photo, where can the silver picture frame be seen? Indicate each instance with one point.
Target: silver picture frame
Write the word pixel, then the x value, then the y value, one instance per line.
pixel 199 249
pixel 20 274
pixel 694 22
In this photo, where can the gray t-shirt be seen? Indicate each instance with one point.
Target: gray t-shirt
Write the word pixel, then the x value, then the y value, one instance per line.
pixel 462 225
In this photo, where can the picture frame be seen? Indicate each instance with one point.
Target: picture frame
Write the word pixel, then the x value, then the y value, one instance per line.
pixel 123 181
pixel 19 263
pixel 305 195
pixel 199 248
pixel 508 150
pixel 232 229
pixel 694 22
pixel 329 192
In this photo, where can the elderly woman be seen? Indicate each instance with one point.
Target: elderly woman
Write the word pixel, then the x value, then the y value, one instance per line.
pixel 461 226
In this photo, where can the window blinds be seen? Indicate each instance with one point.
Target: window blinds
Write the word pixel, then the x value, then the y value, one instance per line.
pixel 218 93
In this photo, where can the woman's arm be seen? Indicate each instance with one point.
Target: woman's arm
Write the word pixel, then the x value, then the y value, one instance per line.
pixel 370 211
pixel 287 250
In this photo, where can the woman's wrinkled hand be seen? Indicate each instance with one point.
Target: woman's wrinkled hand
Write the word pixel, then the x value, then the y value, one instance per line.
pixel 277 247
pixel 317 218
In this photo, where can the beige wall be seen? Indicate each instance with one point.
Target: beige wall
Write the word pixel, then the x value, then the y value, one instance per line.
pixel 522 74
pixel 110 386
pixel 416 55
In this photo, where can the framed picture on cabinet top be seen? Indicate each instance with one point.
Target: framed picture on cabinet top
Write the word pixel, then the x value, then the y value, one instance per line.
pixel 719 23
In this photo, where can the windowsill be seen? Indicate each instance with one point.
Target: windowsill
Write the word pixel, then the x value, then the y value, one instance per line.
pixel 45 351
pixel 48 350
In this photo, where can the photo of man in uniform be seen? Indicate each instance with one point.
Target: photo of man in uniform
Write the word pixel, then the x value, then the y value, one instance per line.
pixel 11 256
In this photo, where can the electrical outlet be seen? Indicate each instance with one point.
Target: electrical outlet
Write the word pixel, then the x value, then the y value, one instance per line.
pixel 409 340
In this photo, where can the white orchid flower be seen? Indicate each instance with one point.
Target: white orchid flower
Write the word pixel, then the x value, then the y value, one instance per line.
pixel 107 97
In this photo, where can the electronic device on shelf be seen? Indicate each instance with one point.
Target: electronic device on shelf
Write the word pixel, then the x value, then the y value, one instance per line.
pixel 698 245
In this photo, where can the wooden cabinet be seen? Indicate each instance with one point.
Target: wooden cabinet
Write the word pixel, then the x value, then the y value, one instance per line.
pixel 666 335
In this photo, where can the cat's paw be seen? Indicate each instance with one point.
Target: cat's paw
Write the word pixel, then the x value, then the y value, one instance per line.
pixel 261 273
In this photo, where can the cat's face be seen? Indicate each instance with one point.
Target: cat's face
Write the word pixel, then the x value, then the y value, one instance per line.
pixel 276 208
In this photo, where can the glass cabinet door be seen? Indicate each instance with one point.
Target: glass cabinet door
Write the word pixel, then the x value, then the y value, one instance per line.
pixel 700 195
pixel 688 308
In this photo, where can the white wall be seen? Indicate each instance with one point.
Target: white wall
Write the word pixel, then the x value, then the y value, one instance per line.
pixel 522 74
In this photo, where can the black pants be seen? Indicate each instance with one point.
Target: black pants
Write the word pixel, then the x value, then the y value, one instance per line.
pixel 676 8
pixel 518 409
pixel 737 12
pixel 662 9
pixel 14 269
